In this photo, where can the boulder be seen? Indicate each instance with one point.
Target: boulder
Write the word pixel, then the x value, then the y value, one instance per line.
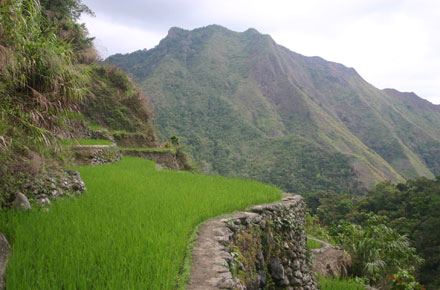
pixel 330 260
pixel 21 201
pixel 4 255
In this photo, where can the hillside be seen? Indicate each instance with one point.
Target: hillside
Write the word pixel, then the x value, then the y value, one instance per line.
pixel 246 106
pixel 52 88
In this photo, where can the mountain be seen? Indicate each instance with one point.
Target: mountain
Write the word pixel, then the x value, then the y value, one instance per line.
pixel 246 106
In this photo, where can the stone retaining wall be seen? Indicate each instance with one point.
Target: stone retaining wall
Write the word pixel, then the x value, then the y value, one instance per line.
pixel 264 248
pixel 95 154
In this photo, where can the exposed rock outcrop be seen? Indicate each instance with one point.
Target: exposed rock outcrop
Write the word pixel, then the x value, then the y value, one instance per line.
pixel 330 260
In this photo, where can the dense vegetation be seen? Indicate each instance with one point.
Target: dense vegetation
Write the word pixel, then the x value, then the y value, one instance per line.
pixel 115 102
pixel 247 107
pixel 327 283
pixel 128 231
pixel 410 209
pixel 40 84
pixel 49 83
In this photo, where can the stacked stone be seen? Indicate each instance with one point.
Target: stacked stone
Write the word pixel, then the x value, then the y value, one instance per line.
pixel 285 264
pixel 261 249
pixel 105 155
pixel 67 182
pixel 96 154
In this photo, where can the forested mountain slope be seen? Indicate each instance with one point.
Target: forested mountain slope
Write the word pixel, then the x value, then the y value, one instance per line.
pixel 246 106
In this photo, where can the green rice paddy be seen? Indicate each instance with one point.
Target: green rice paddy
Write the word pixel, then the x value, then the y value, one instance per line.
pixel 85 142
pixel 128 231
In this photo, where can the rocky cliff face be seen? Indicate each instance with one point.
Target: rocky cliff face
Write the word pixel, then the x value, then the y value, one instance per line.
pixel 260 249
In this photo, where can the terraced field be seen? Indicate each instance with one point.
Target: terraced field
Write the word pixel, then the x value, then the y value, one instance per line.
pixel 128 231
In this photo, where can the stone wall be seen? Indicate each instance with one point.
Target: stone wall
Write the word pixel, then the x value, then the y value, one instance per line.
pixel 95 154
pixel 264 248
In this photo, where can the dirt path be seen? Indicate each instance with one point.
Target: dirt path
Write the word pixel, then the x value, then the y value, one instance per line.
pixel 210 257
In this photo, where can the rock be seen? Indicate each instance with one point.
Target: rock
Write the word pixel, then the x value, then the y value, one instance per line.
pixel 306 278
pixel 73 173
pixel 276 269
pixel 296 282
pixel 78 183
pixel 4 255
pixel 260 258
pixel 330 261
pixel 298 274
pixel 296 265
pixel 262 277
pixel 21 201
pixel 285 282
pixel 44 201
pixel 226 283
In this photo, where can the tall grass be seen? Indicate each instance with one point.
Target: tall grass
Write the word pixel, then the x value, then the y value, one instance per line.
pixel 328 283
pixel 128 231
pixel 312 244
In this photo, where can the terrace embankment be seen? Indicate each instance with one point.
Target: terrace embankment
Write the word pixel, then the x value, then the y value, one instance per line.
pixel 164 158
pixel 263 248
pixel 100 154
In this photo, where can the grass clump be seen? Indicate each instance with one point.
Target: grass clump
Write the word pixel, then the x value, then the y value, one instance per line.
pixel 313 244
pixel 328 283
pixel 128 231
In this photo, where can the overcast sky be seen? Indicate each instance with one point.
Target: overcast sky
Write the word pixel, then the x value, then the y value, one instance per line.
pixel 391 43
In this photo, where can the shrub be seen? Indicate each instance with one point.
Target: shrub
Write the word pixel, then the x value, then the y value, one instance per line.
pixel 377 251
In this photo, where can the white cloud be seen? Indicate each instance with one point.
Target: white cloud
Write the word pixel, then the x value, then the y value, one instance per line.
pixel 114 37
pixel 391 43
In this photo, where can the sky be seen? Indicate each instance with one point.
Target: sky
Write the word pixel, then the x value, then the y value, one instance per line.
pixel 390 43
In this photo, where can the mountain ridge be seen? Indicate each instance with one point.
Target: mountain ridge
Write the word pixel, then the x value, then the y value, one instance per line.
pixel 230 92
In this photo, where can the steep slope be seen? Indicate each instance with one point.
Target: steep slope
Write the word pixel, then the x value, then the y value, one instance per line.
pixel 246 106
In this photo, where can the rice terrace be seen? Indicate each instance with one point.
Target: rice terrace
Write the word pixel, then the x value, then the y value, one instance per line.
pixel 128 231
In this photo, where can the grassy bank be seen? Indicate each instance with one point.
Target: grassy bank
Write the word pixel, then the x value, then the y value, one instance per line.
pixel 85 142
pixel 328 283
pixel 128 231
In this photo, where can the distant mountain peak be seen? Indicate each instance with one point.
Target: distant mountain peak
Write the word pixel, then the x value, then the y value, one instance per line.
pixel 247 106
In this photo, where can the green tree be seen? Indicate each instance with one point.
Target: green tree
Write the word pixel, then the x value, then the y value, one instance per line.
pixel 66 8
